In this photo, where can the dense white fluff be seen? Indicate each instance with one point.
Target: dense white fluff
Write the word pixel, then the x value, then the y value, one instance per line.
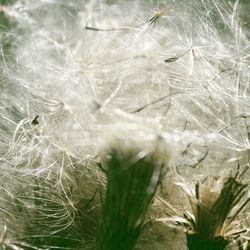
pixel 75 73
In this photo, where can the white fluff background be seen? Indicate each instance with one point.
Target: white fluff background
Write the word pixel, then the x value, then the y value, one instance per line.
pixel 65 91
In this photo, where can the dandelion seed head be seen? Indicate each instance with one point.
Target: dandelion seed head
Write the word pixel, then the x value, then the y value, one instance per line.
pixel 168 73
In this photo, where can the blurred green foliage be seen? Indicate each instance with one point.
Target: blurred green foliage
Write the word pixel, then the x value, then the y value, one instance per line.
pixel 5 2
